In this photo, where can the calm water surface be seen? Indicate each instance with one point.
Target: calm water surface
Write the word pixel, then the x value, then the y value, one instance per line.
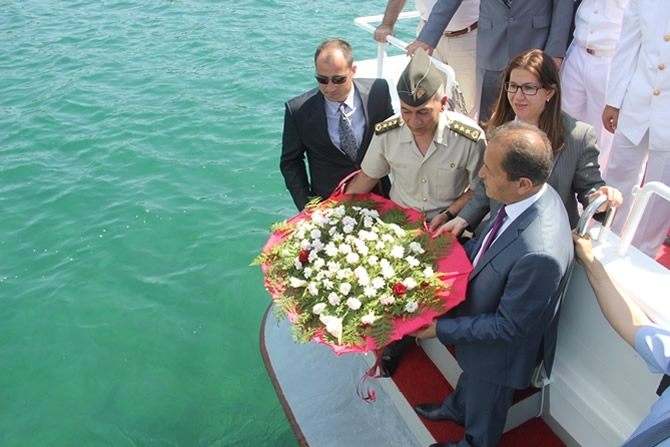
pixel 139 147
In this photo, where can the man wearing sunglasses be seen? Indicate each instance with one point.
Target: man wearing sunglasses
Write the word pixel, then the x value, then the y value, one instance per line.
pixel 331 125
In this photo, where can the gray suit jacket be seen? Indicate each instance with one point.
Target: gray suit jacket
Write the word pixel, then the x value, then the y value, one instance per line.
pixel 576 173
pixel 509 319
pixel 505 32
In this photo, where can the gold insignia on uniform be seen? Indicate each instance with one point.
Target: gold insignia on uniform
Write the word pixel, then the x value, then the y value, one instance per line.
pixel 389 124
pixel 419 93
pixel 470 132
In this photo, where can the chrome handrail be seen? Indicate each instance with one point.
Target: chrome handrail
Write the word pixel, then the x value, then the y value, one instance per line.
pixel 590 211
pixel 642 196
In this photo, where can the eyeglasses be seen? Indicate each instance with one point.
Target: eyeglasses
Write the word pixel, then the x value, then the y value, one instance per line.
pixel 338 79
pixel 526 89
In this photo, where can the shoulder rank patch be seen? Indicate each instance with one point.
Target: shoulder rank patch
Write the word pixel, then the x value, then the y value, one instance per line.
pixel 389 124
pixel 472 133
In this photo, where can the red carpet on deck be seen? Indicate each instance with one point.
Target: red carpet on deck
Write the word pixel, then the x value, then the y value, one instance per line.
pixel 420 381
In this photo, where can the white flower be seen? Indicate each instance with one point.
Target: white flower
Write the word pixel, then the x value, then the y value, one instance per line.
pixel 353 258
pixel 372 260
pixel 411 306
pixel 378 282
pixel 312 289
pixel 348 228
pixel 305 245
pixel 327 284
pixel 345 288
pixel 398 251
pixel 369 318
pixel 415 247
pixel 296 282
pixel 316 234
pixel 387 299
pixel 362 275
pixel 369 291
pixel 428 272
pixel 319 308
pixel 345 249
pixel 319 263
pixel 410 283
pixel 412 261
pixel 388 272
pixel 331 249
pixel 333 325
pixel 333 299
pixel 398 231
pixel 354 303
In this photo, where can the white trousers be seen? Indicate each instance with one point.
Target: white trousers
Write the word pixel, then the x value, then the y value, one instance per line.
pixel 460 53
pixel 625 170
pixel 584 79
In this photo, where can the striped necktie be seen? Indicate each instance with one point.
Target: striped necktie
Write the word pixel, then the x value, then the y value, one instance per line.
pixel 347 136
pixel 507 3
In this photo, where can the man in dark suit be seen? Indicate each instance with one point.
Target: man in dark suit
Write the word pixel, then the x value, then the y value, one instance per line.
pixel 505 29
pixel 332 124
pixel 508 322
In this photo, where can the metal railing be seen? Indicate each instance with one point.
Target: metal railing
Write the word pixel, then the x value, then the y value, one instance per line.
pixel 451 84
pixel 642 196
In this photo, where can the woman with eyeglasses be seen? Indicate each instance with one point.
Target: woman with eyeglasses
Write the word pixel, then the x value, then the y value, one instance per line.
pixel 532 93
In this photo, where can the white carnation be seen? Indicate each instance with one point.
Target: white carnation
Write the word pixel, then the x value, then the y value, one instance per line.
pixel 319 308
pixel 354 303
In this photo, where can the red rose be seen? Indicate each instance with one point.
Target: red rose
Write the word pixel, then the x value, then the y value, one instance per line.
pixel 399 289
pixel 303 257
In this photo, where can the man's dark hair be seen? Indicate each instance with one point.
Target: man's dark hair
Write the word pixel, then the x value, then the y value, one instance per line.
pixel 527 151
pixel 339 44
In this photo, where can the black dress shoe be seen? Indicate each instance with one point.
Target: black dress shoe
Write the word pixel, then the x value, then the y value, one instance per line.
pixel 389 365
pixel 433 412
pixel 445 444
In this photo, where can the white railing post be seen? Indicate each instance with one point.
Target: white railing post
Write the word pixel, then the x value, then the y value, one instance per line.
pixel 641 199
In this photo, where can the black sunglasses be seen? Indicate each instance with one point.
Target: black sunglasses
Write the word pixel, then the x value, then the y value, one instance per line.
pixel 339 79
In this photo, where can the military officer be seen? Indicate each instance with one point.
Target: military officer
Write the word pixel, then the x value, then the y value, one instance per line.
pixel 433 155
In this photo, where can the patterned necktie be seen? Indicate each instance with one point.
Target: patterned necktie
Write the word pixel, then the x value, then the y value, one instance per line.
pixel 651 436
pixel 347 136
pixel 508 3
pixel 494 230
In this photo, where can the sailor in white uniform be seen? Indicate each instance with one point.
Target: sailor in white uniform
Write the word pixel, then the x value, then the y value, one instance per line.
pixel 586 67
pixel 638 107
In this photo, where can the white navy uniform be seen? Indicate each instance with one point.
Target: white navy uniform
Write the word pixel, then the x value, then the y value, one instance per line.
pixel 640 87
pixel 586 67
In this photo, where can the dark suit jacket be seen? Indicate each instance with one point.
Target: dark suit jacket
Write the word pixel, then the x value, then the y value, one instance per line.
pixel 306 133
pixel 576 172
pixel 509 319
pixel 505 32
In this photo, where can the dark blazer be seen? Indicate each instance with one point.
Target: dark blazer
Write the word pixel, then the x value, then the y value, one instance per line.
pixel 576 172
pixel 505 32
pixel 306 134
pixel 508 321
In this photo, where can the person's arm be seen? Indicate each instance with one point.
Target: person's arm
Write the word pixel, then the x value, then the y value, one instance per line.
pixel 393 10
pixel 450 213
pixel 431 33
pixel 625 316
pixel 292 162
pixel 557 41
pixel 361 183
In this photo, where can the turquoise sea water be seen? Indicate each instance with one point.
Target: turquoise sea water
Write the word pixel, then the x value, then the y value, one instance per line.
pixel 139 146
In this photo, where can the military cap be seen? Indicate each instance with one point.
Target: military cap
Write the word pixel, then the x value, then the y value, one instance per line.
pixel 420 80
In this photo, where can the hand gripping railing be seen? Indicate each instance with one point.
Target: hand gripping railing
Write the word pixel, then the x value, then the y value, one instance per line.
pixel 452 85
pixel 642 196
pixel 590 211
